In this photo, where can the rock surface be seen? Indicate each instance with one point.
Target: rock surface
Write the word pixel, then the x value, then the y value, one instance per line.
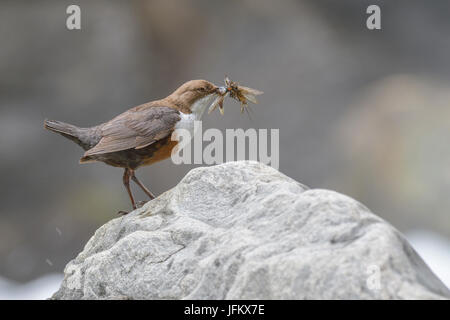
pixel 242 230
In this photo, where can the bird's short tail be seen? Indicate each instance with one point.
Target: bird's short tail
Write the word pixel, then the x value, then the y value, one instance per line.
pixel 84 137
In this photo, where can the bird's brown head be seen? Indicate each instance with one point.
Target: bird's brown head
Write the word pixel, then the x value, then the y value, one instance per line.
pixel 191 91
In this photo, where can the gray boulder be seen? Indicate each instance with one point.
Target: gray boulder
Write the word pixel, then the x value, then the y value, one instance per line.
pixel 243 230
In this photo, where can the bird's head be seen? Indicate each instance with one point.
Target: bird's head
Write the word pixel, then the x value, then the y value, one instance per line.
pixel 194 90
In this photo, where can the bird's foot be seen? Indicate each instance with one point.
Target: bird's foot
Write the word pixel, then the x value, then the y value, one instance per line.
pixel 141 203
pixel 138 205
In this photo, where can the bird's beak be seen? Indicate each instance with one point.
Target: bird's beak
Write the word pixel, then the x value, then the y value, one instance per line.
pixel 220 90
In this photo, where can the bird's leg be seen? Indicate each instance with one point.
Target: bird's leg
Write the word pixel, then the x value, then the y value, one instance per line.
pixel 144 188
pixel 126 183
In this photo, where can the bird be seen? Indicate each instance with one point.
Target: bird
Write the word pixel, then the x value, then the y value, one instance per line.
pixel 141 136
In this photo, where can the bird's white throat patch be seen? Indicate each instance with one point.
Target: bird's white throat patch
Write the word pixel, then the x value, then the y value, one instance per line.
pixel 198 108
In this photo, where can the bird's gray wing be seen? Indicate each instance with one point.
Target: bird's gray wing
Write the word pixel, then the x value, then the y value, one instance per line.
pixel 136 128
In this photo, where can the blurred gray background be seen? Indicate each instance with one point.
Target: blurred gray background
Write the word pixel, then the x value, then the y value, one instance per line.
pixel 366 113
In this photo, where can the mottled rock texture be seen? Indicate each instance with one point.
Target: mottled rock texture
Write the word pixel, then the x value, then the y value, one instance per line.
pixel 243 230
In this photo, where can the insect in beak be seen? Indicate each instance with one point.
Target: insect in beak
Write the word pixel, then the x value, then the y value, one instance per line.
pixel 235 91
pixel 218 102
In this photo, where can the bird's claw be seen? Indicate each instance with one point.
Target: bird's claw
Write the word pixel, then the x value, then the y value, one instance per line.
pixel 140 204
